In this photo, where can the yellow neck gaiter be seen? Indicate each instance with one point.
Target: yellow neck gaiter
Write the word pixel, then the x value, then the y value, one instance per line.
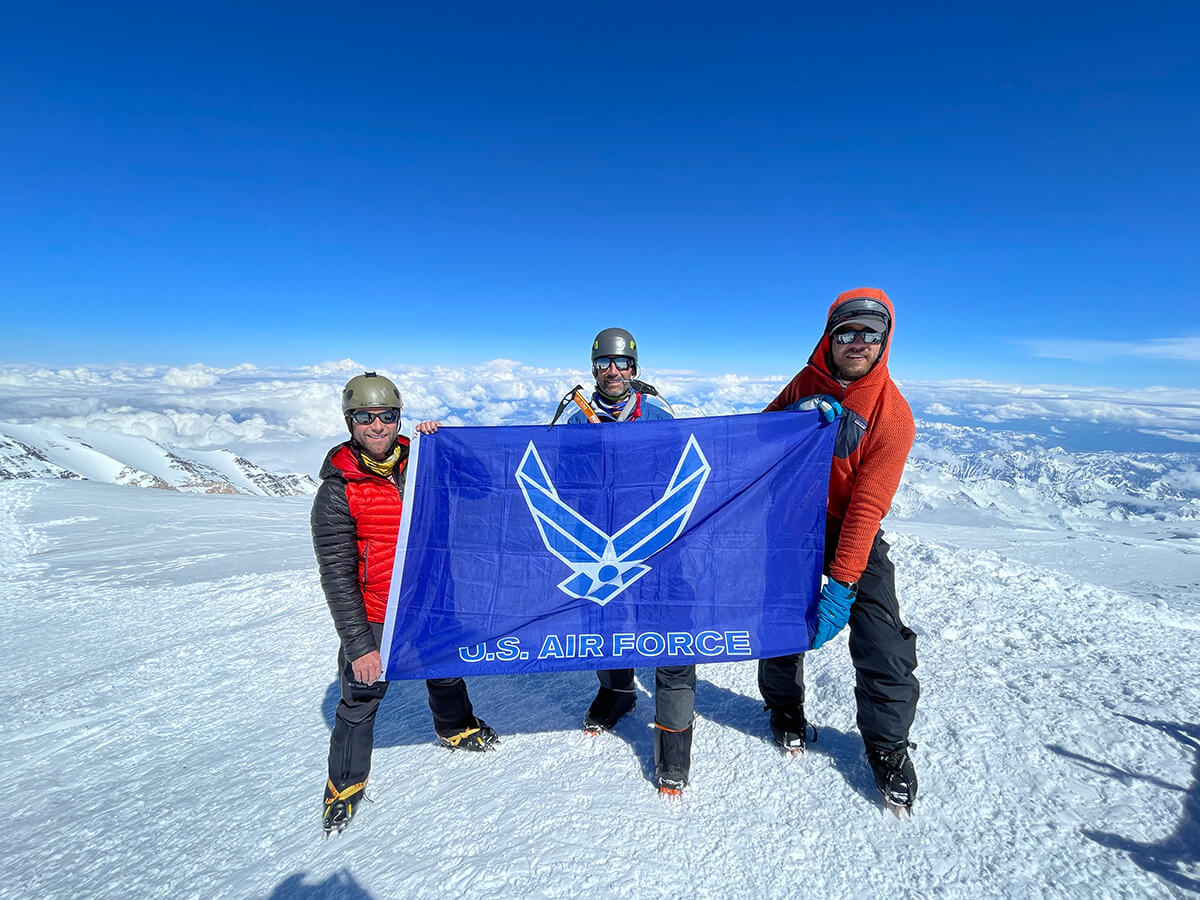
pixel 385 467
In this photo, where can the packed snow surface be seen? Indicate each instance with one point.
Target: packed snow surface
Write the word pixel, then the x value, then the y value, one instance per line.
pixel 172 666
pixel 167 714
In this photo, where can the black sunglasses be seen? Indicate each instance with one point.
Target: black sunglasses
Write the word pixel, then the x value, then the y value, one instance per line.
pixel 623 363
pixel 364 417
pixel 847 337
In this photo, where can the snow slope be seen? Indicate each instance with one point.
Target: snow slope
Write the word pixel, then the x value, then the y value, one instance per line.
pixel 172 684
pixel 95 454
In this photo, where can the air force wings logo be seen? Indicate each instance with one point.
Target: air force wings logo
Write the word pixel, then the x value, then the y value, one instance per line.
pixel 604 565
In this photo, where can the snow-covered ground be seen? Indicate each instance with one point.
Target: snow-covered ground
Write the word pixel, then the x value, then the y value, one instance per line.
pixel 172 688
pixel 172 662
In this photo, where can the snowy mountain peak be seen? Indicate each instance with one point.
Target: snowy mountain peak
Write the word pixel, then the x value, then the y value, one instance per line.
pixel 963 474
pixel 21 460
pixel 29 451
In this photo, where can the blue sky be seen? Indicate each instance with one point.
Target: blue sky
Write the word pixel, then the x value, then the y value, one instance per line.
pixel 285 185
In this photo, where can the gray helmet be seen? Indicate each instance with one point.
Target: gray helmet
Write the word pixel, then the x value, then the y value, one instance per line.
pixel 615 342
pixel 370 390
pixel 864 311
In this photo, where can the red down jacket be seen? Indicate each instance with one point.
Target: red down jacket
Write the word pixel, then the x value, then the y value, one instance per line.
pixel 355 523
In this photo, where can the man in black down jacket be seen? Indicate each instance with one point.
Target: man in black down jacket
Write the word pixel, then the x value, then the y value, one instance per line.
pixel 355 526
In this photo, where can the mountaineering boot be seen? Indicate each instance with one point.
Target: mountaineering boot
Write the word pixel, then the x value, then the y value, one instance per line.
pixel 607 709
pixel 340 805
pixel 895 775
pixel 790 728
pixel 672 759
pixel 477 737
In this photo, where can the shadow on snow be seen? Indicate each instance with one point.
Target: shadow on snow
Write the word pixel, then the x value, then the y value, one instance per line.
pixel 540 703
pixel 339 886
pixel 1167 857
pixel 512 704
pixel 745 714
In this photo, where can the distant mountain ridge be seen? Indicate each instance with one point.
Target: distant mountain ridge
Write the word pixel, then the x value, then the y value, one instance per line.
pixel 971 472
pixel 954 474
pixel 29 451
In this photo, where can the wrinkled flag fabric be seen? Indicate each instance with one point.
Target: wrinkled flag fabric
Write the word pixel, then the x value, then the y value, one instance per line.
pixel 534 549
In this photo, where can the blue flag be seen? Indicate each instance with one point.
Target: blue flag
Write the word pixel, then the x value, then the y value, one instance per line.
pixel 534 549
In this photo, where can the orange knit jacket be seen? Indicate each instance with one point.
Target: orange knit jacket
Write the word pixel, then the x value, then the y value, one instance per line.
pixel 862 485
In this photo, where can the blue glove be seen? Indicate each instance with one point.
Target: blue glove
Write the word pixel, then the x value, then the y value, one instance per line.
pixel 830 409
pixel 833 610
pixel 825 404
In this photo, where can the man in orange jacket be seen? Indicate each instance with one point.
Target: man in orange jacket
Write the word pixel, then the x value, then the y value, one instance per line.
pixel 847 375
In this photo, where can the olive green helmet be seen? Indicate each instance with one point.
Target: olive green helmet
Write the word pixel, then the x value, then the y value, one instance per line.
pixel 370 390
pixel 615 342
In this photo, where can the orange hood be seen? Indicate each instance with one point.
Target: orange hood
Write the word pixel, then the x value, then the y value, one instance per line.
pixel 821 360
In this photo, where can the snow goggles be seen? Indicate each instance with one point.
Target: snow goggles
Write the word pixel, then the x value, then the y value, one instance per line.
pixel 847 337
pixel 363 417
pixel 623 363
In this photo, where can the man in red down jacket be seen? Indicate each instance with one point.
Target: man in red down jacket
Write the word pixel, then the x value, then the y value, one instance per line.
pixel 847 376
pixel 355 525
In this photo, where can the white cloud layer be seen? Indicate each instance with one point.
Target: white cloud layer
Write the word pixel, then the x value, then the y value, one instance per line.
pixel 206 407
pixel 1156 410
pixel 192 376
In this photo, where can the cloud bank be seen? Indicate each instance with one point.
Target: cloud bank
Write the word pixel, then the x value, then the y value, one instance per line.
pixel 206 407
pixel 1166 412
